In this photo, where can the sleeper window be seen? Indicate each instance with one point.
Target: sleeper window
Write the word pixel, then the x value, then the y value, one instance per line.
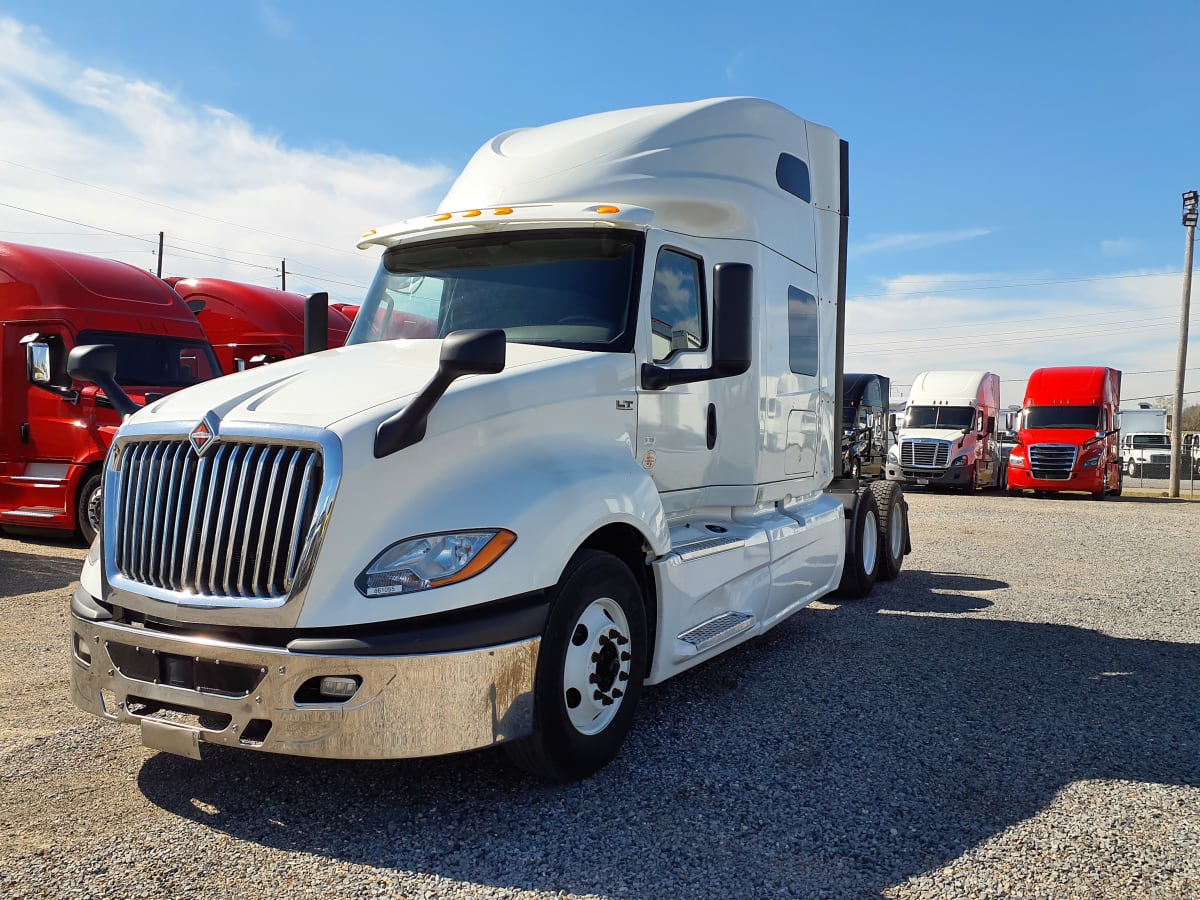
pixel 802 331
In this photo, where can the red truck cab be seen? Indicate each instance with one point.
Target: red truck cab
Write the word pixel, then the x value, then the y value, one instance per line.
pixel 249 325
pixel 54 432
pixel 1067 433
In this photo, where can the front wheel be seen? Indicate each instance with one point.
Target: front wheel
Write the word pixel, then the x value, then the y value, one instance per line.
pixel 1131 469
pixel 89 510
pixel 591 665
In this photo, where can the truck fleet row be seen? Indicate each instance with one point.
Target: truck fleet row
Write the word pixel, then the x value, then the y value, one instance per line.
pixel 1069 434
pixel 166 334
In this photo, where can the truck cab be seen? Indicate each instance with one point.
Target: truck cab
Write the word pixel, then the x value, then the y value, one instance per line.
pixel 947 432
pixel 865 433
pixel 1066 433
pixel 249 325
pixel 1146 454
pixel 55 430
pixel 583 436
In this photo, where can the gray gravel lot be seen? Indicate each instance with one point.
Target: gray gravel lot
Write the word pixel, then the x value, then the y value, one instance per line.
pixel 1016 716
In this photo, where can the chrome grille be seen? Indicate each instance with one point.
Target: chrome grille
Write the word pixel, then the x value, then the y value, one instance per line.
pixel 1052 462
pixel 926 454
pixel 230 523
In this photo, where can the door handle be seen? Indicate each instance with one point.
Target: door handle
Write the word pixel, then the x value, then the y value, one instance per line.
pixel 711 435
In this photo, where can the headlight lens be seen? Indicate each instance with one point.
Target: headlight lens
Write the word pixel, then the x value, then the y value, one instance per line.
pixel 958 461
pixel 893 454
pixel 433 560
pixel 1017 460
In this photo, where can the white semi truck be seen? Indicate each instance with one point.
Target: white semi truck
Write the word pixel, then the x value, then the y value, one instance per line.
pixel 947 434
pixel 1145 444
pixel 583 436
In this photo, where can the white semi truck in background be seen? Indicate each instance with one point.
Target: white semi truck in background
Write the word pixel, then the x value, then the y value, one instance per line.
pixel 1144 442
pixel 947 433
pixel 616 457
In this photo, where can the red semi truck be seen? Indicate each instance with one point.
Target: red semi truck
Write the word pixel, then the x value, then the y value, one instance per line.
pixel 249 325
pixel 54 432
pixel 1067 433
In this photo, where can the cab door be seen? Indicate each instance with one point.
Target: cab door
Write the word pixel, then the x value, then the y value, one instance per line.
pixel 677 424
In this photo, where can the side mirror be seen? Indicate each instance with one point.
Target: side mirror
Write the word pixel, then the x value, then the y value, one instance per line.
pixel 97 364
pixel 892 422
pixel 316 322
pixel 991 424
pixel 37 362
pixel 472 352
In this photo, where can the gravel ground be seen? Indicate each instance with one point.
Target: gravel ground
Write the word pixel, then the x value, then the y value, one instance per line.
pixel 1015 716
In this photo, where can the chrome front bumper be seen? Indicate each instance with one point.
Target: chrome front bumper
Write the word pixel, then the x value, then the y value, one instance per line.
pixel 405 706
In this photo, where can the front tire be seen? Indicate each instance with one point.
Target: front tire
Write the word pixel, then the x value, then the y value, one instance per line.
pixel 89 508
pixel 1131 469
pixel 593 659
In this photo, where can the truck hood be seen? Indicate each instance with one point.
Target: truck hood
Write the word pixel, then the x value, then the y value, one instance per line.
pixel 939 434
pixel 321 389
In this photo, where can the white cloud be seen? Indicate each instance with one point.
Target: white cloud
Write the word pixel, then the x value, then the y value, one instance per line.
pixel 127 156
pixel 1012 325
pixel 1118 247
pixel 276 24
pixel 914 241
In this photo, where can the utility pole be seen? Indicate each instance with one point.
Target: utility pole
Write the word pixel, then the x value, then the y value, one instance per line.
pixel 283 275
pixel 1190 201
pixel 160 243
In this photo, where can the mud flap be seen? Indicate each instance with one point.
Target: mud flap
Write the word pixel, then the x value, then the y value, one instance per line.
pixel 171 738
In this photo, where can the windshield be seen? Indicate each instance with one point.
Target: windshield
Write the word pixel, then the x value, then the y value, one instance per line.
pixel 1151 440
pixel 1089 417
pixel 561 288
pixel 951 417
pixel 155 360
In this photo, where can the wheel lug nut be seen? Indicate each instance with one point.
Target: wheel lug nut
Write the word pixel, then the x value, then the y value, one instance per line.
pixel 617 692
pixel 592 678
pixel 598 695
pixel 595 657
pixel 624 676
pixel 625 657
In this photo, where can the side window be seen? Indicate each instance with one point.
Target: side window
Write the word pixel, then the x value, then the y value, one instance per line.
pixel 802 331
pixel 677 305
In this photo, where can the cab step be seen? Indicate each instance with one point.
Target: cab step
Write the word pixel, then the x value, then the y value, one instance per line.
pixel 717 629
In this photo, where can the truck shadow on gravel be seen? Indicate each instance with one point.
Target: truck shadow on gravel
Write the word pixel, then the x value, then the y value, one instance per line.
pixel 855 746
pixel 31 573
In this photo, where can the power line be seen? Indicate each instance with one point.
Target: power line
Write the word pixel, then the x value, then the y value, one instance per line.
pixel 186 252
pixel 177 209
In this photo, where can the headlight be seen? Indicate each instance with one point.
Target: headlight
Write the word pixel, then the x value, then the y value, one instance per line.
pixel 958 461
pixel 433 560
pixel 1016 459
pixel 893 453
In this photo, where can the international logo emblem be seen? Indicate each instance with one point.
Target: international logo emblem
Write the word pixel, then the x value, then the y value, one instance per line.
pixel 204 435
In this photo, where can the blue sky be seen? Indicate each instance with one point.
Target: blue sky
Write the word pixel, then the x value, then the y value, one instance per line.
pixel 1016 170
